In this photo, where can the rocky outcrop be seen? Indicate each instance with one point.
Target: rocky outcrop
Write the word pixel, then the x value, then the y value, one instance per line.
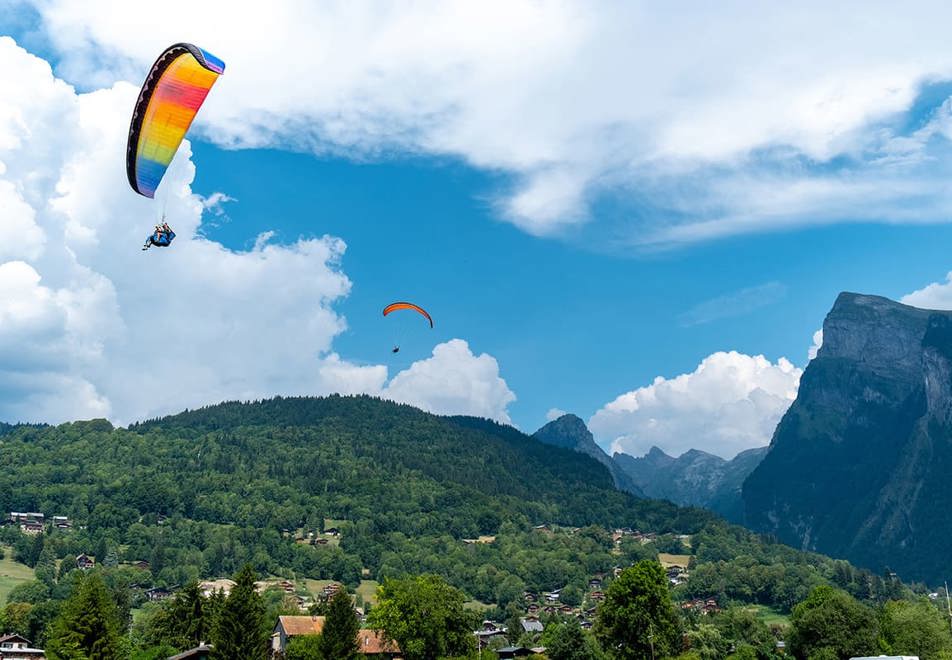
pixel 859 465
pixel 694 478
pixel 570 432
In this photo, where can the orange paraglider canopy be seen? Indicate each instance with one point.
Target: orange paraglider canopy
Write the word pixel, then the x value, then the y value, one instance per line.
pixel 393 307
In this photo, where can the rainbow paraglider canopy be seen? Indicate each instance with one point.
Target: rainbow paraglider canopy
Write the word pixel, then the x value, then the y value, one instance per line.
pixel 170 98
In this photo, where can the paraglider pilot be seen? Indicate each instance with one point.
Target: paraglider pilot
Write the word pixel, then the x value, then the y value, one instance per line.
pixel 161 237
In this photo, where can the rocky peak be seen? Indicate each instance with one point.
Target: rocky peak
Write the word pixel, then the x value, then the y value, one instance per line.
pixel 857 465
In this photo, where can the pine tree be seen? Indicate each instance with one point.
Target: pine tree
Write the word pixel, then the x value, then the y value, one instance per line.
pixel 339 636
pixel 239 631
pixel 88 625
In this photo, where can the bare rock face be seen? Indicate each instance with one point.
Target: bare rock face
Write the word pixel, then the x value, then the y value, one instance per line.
pixel 570 432
pixel 695 478
pixel 860 465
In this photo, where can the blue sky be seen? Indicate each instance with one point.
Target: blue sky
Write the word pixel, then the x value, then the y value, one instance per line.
pixel 603 215
pixel 571 325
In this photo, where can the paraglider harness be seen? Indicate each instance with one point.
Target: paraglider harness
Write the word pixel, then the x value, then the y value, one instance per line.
pixel 162 237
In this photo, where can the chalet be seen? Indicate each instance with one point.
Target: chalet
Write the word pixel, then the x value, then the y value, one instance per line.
pixel 595 583
pixel 586 624
pixel 513 652
pixel 142 565
pixel 372 644
pixel 487 634
pixel 332 531
pixel 210 587
pixel 330 591
pixel 597 595
pixel 528 596
pixel 566 609
pixel 531 624
pixel 532 609
pixel 553 596
pixel 17 647
pixel 31 527
pixel 18 517
pixel 157 594
pixel 550 609
pixel 201 652
pixel 85 562
pixel 319 541
pixel 369 642
pixel 62 522
pixel 294 626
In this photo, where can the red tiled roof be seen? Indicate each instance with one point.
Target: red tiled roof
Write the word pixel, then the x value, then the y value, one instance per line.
pixel 301 625
pixel 370 642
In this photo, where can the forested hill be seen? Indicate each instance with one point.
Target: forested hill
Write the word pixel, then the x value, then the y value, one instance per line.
pixel 199 494
pixel 361 458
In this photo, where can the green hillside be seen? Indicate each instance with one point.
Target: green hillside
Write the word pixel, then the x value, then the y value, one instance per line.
pixel 201 493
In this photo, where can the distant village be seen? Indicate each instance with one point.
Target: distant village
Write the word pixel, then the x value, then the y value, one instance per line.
pixel 494 635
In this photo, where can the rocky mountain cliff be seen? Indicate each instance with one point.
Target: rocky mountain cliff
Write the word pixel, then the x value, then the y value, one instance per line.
pixel 570 432
pixel 695 478
pixel 859 466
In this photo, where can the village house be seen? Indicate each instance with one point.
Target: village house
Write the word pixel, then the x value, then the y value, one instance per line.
pixel 532 609
pixel 62 522
pixel 595 583
pixel 513 652
pixel 85 562
pixel 597 596
pixel 18 517
pixel 32 528
pixel 369 642
pixel 17 647
pixel 531 624
pixel 294 626
pixel 158 593
pixel 210 587
pixel 489 631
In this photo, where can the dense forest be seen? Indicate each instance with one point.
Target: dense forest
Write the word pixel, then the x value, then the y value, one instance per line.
pixel 203 493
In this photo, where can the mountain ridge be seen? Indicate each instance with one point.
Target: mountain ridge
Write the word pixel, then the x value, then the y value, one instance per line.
pixel 856 466
pixel 570 432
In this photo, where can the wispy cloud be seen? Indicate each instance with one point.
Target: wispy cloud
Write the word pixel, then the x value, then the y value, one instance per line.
pixel 661 108
pixel 736 303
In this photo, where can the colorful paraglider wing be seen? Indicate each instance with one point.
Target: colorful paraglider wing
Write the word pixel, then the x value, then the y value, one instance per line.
pixel 170 98
pixel 405 305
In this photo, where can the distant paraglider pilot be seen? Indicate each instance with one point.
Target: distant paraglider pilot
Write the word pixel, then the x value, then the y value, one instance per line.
pixel 161 237
pixel 396 349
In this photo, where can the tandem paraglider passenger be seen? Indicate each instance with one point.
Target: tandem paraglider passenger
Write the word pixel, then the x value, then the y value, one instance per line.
pixel 161 237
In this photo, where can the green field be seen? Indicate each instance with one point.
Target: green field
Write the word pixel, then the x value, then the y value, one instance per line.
pixel 11 574
pixel 334 522
pixel 477 605
pixel 368 591
pixel 771 616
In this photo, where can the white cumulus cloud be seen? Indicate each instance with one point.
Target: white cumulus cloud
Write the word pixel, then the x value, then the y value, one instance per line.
pixel 937 295
pixel 454 381
pixel 699 122
pixel 92 326
pixel 730 403
pixel 553 414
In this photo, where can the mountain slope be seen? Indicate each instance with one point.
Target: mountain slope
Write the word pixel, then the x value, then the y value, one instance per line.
pixel 696 478
pixel 202 493
pixel 570 432
pixel 859 465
